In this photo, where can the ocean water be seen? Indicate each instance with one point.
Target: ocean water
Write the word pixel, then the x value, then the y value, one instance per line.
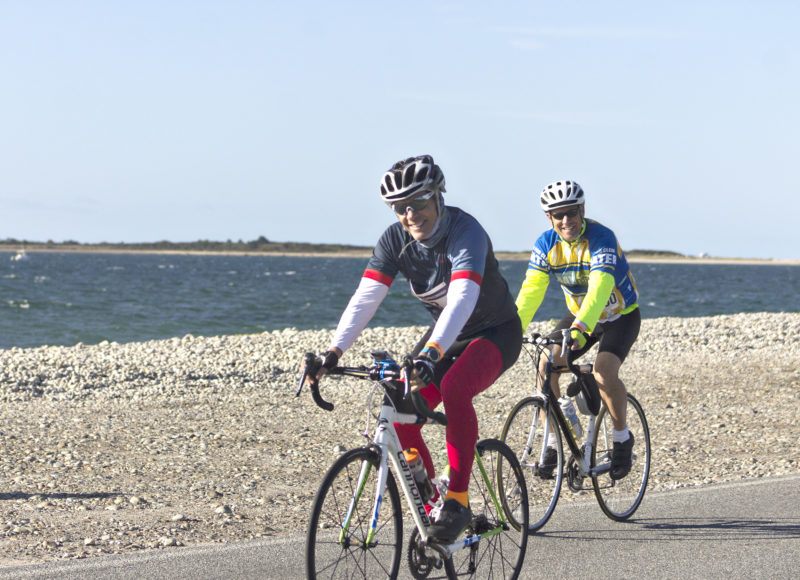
pixel 66 298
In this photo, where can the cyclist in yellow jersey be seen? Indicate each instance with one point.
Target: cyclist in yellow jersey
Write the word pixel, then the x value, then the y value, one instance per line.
pixel 586 259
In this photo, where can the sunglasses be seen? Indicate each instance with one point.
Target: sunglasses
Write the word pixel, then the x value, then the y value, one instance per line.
pixel 570 213
pixel 418 204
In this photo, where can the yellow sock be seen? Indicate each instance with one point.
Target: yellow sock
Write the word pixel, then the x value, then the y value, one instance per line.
pixel 461 497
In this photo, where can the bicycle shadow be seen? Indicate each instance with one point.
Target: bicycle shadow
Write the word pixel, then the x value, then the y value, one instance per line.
pixel 681 529
pixel 724 528
pixel 17 495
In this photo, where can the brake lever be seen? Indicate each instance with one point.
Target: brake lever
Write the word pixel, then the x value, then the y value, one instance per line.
pixel 420 404
pixel 566 341
pixel 312 365
pixel 308 361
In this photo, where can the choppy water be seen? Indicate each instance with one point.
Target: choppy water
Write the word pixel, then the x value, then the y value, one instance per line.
pixel 63 299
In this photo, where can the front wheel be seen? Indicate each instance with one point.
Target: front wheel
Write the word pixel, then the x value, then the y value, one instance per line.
pixel 498 497
pixel 526 433
pixel 621 497
pixel 339 543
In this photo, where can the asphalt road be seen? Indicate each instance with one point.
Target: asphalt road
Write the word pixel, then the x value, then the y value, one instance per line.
pixel 740 530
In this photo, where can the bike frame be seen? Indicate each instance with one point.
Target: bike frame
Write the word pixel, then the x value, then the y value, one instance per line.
pixel 581 451
pixel 388 444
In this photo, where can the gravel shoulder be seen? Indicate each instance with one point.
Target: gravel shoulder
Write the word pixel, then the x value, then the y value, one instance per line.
pixel 116 448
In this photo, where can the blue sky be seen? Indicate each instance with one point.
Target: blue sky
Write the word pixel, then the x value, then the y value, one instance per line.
pixel 185 120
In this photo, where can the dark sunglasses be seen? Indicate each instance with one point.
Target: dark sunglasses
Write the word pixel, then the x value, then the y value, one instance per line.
pixel 570 213
pixel 418 204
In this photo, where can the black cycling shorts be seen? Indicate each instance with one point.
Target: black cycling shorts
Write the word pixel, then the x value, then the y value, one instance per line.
pixel 506 336
pixel 616 337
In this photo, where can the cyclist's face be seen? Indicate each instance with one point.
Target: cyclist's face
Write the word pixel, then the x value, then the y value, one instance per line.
pixel 567 222
pixel 419 222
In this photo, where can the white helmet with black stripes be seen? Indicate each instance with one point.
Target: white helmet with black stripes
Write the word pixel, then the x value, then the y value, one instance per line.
pixel 561 194
pixel 408 178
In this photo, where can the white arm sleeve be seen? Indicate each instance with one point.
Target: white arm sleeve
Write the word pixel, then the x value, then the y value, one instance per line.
pixel 360 310
pixel 462 296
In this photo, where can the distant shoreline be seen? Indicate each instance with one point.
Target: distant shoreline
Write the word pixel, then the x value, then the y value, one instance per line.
pixel 632 257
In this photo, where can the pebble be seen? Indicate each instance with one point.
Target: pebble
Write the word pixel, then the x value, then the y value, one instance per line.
pixel 115 448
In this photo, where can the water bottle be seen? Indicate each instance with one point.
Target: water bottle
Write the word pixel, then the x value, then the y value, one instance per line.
pixel 417 467
pixel 569 412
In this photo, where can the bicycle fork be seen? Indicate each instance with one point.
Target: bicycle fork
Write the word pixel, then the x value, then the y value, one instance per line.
pixel 366 468
pixel 528 450
pixel 408 485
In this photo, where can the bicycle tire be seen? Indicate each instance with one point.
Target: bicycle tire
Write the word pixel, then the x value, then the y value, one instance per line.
pixel 620 498
pixel 524 432
pixel 332 552
pixel 500 555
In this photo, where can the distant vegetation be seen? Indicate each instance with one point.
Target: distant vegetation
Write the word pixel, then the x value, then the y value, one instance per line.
pixel 654 254
pixel 261 244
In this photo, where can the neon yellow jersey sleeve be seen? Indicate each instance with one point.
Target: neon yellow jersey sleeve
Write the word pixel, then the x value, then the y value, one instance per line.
pixel 531 295
pixel 601 284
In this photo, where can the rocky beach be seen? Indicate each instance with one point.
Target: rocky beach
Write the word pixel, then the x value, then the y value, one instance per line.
pixel 115 448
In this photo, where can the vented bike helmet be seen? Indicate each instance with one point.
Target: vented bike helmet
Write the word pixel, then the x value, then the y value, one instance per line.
pixel 411 177
pixel 561 194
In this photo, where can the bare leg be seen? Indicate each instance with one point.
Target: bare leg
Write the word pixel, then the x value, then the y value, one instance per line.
pixel 612 389
pixel 554 377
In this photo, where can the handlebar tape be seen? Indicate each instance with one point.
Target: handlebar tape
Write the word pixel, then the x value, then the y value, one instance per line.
pixel 312 365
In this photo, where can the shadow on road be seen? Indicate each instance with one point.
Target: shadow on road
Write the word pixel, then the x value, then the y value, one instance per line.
pixel 681 529
pixel 59 495
pixel 722 528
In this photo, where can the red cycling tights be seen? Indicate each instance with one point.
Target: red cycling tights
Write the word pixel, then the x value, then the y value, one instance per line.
pixel 473 372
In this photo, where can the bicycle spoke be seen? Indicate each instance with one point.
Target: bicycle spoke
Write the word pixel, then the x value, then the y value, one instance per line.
pixel 335 552
pixel 501 549
pixel 619 499
pixel 526 433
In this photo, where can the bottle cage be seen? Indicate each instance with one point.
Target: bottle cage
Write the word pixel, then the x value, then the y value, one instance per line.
pixel 586 384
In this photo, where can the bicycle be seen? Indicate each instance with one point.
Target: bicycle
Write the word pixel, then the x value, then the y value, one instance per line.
pixel 356 524
pixel 531 420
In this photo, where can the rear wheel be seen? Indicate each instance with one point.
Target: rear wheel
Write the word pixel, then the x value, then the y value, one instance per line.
pixel 340 547
pixel 525 432
pixel 495 493
pixel 620 498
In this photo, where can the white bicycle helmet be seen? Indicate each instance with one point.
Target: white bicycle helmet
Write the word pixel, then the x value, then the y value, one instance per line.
pixel 411 177
pixel 561 194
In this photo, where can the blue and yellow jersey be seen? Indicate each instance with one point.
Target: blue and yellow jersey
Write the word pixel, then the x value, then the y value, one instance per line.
pixel 593 273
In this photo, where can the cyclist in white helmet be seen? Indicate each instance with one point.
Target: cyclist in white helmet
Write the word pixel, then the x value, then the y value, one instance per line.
pixel 602 301
pixel 448 260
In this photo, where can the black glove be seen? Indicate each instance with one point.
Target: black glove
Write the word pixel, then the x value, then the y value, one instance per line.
pixel 329 359
pixel 424 367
